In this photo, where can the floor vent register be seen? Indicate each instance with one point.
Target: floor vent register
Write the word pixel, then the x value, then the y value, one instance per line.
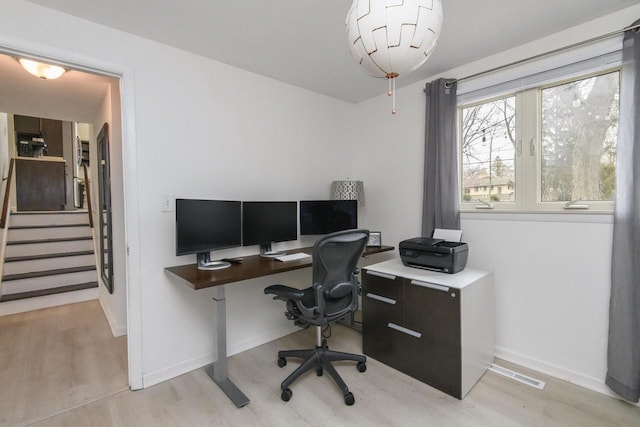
pixel 517 376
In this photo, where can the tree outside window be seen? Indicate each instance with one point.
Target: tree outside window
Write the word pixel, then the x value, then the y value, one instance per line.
pixel 579 134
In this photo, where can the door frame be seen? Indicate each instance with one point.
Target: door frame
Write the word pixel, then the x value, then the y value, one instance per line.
pixel 125 74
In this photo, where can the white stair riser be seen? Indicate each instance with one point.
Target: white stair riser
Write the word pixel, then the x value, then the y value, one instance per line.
pixel 47 233
pixel 29 266
pixel 48 219
pixel 48 282
pixel 49 248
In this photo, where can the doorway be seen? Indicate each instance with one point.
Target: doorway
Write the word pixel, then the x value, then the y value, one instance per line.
pixel 94 99
pixel 45 144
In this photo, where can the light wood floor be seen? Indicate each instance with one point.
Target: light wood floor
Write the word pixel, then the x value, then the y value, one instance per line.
pixel 384 397
pixel 57 359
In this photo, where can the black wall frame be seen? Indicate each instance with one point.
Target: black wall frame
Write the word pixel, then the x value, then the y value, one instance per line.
pixel 104 196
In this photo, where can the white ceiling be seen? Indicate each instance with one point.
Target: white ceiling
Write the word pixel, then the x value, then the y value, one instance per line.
pixel 76 96
pixel 302 42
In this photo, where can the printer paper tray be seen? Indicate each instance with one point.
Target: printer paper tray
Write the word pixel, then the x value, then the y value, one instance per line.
pixel 424 267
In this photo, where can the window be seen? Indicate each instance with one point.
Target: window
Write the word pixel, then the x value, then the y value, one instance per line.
pixel 546 148
pixel 579 132
pixel 488 153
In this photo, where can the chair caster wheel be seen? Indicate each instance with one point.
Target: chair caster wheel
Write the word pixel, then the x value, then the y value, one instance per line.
pixel 361 366
pixel 319 372
pixel 286 394
pixel 282 362
pixel 349 399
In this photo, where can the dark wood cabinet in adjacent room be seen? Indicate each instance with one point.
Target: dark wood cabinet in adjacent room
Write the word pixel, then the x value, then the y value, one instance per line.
pixel 40 185
pixel 52 134
pixel 26 124
pixel 435 327
pixel 49 130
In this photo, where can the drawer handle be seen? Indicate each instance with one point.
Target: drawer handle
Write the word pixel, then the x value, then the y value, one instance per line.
pixel 404 330
pixel 430 285
pixel 383 275
pixel 381 298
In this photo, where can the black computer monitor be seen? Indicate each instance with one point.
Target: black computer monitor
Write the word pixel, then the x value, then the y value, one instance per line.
pixel 266 222
pixel 203 226
pixel 327 216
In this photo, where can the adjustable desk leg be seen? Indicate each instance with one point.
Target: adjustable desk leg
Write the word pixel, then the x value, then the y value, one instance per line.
pixel 218 370
pixel 350 321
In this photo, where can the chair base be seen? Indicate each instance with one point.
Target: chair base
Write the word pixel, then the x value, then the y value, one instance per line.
pixel 320 358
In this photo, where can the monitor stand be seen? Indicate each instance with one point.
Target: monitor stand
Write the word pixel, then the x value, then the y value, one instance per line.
pixel 265 251
pixel 205 263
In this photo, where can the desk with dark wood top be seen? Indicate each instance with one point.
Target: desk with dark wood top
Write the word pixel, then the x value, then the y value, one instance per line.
pixel 251 267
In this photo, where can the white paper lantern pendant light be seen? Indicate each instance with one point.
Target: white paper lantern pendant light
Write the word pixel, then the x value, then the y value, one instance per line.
pixel 392 38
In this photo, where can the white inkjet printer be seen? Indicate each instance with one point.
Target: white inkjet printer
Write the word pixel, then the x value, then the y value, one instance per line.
pixel 434 254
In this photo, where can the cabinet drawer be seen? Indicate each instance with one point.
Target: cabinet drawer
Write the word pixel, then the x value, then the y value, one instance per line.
pixel 436 362
pixel 377 309
pixel 434 311
pixel 382 284
pixel 377 338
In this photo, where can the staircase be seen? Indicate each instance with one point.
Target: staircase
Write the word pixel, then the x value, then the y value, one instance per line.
pixel 48 253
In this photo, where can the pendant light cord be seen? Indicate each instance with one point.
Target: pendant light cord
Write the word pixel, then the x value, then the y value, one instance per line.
pixel 391 77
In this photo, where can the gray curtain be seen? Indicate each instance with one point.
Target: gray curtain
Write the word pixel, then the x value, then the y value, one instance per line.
pixel 623 362
pixel 441 205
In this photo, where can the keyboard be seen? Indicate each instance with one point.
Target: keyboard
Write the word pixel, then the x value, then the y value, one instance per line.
pixel 292 257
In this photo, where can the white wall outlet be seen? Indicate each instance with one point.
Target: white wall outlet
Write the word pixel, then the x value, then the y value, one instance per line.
pixel 168 203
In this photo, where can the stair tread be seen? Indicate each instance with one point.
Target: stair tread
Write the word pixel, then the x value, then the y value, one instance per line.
pixel 42 237
pixel 32 227
pixel 52 240
pixel 44 273
pixel 51 291
pixel 47 256
pixel 73 212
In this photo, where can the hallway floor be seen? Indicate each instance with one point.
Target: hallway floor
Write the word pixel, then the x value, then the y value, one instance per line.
pixel 57 359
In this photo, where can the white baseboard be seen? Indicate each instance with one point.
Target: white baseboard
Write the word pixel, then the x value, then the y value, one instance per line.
pixel 239 347
pixel 164 374
pixel 175 370
pixel 47 301
pixel 116 330
pixel 573 377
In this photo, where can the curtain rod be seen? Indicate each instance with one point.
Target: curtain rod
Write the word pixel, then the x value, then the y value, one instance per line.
pixel 634 26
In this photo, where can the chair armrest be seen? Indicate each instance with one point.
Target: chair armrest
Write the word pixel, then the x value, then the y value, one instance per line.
pixel 284 292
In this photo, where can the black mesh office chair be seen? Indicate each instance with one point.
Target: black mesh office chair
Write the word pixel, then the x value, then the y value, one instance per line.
pixel 333 295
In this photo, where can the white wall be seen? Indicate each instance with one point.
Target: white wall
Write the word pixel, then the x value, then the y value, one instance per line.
pixel 229 135
pixel 201 129
pixel 4 166
pixel 552 290
pixel 552 271
pixel 114 305
pixel 4 148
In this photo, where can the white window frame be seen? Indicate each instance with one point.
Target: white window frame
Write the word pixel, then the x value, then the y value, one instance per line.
pixel 526 82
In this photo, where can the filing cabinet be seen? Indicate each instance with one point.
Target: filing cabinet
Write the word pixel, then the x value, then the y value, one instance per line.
pixel 435 327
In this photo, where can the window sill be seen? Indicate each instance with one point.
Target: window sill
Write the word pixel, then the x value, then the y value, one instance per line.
pixel 539 216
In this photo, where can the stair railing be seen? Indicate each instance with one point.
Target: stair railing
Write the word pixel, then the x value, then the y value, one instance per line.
pixel 87 188
pixel 7 191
